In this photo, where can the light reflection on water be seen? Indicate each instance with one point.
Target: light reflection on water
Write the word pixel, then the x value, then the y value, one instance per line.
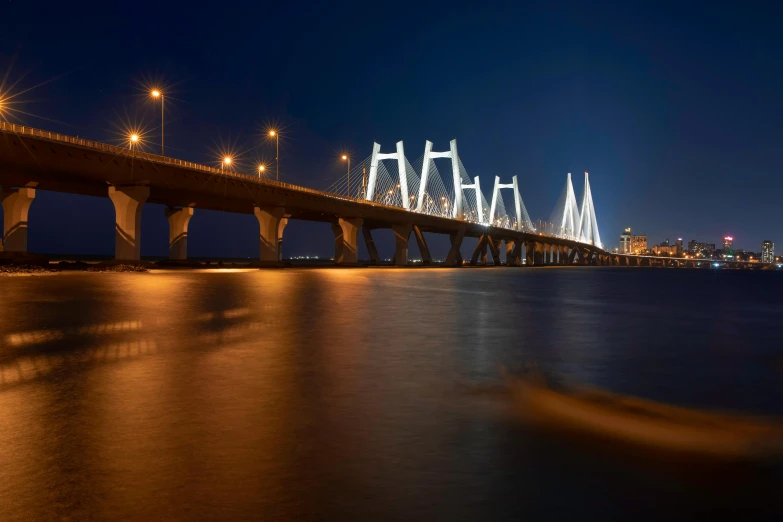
pixel 339 394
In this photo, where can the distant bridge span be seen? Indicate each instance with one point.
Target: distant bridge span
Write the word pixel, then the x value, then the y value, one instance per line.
pixel 33 159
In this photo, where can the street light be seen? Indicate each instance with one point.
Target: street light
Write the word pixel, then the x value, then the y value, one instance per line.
pixel 345 157
pixel 155 93
pixel 261 169
pixel 133 140
pixel 226 162
pixel 276 136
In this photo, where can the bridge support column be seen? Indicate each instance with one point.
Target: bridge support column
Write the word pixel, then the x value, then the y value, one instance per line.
pixel 271 222
pixel 402 234
pixel 574 255
pixel 16 205
pixel 346 232
pixel 369 242
pixel 494 250
pixel 513 252
pixel 564 255
pixel 426 258
pixel 530 249
pixel 128 204
pixel 538 256
pixel 178 231
pixel 454 257
pixel 480 252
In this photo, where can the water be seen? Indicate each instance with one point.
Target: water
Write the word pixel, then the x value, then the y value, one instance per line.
pixel 350 394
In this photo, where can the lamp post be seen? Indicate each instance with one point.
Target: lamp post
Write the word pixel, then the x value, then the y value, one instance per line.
pixel 155 93
pixel 261 169
pixel 276 136
pixel 348 159
pixel 226 163
pixel 133 140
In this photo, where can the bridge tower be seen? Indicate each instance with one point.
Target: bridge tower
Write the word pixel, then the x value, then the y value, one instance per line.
pixel 570 220
pixel 588 224
pixel 373 179
pixel 523 219
pixel 429 155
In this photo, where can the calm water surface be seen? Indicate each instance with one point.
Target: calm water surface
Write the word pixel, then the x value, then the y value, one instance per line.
pixel 350 394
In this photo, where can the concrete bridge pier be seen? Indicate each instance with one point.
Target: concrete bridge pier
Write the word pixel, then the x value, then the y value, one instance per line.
pixel 574 255
pixel 178 231
pixel 271 223
pixel 16 205
pixel 480 253
pixel 128 203
pixel 513 252
pixel 494 250
pixel 454 257
pixel 369 242
pixel 346 232
pixel 538 254
pixel 426 258
pixel 402 234
pixel 564 255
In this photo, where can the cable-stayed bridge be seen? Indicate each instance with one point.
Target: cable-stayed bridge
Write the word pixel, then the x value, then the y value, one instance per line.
pixel 389 178
pixel 384 191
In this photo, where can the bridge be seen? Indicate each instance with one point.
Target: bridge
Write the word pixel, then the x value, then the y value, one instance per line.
pixel 374 195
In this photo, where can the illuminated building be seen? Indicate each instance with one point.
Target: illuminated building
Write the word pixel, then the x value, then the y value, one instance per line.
pixel 728 244
pixel 625 241
pixel 630 244
pixel 678 245
pixel 767 251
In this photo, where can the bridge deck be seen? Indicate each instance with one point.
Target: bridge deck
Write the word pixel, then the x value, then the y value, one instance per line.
pixel 56 162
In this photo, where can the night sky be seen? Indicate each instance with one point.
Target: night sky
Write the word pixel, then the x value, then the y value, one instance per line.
pixel 675 111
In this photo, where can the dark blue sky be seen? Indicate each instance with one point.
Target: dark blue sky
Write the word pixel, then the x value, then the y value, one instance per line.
pixel 674 110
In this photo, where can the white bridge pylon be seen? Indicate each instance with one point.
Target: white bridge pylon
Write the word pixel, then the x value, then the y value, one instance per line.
pixel 429 155
pixel 373 179
pixel 570 221
pixel 588 224
pixel 523 219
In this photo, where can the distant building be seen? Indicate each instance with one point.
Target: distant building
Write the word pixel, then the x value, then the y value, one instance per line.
pixel 767 251
pixel 664 250
pixel 630 244
pixel 678 245
pixel 728 244
pixel 694 247
pixel 625 241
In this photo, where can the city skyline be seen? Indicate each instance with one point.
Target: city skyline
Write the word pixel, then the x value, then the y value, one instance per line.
pixel 544 93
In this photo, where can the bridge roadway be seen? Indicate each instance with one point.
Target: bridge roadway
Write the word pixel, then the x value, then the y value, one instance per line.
pixel 32 159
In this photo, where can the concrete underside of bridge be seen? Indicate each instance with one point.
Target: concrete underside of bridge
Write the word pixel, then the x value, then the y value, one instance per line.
pixel 29 163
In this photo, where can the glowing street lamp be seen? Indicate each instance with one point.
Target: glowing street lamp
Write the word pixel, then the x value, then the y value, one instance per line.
pixel 276 136
pixel 156 94
pixel 261 169
pixel 226 163
pixel 347 158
